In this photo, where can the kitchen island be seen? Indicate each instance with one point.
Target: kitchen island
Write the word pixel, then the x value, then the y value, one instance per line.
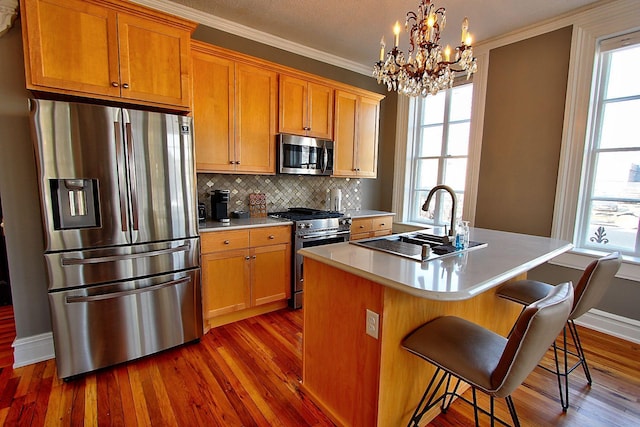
pixel 360 380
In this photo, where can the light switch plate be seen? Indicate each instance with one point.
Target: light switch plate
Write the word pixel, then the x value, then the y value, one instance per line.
pixel 373 323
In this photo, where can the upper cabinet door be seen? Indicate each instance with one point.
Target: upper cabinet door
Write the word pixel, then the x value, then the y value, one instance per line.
pixel 367 137
pixel 71 45
pixel 306 108
pixel 293 105
pixel 213 112
pixel 345 126
pixel 320 111
pixel 256 116
pixel 154 61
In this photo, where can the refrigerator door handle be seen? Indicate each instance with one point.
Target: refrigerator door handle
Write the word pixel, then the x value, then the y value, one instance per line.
pixel 96 260
pixel 132 175
pixel 120 294
pixel 121 177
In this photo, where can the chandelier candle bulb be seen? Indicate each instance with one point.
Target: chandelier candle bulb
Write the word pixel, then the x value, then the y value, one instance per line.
pixel 468 40
pixel 465 28
pixel 382 46
pixel 396 32
pixel 447 53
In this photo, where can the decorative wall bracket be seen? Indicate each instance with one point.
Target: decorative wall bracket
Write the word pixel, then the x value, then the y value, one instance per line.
pixel 8 14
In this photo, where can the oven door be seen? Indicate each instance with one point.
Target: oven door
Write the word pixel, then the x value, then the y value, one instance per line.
pixel 308 242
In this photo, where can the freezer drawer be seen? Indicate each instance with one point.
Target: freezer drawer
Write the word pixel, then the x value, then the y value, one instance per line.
pixel 94 266
pixel 104 325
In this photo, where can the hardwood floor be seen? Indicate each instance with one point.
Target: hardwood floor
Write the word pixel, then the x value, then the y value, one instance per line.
pixel 7 335
pixel 248 373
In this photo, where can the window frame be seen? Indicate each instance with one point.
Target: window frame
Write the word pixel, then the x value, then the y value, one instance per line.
pixel 589 30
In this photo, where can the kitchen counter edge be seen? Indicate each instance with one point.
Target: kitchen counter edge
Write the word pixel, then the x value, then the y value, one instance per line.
pixel 241 223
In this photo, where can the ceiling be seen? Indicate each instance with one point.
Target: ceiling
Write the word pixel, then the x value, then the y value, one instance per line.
pixel 352 29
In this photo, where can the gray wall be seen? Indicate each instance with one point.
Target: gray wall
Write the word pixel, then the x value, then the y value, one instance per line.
pixel 19 190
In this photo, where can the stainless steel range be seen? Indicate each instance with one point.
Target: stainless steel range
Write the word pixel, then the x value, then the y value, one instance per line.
pixel 312 227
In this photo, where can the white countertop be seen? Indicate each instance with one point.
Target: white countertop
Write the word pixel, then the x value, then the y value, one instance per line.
pixel 450 278
pixel 239 223
pixel 366 213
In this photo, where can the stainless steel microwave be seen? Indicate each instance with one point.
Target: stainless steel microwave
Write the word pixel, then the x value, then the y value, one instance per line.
pixel 303 155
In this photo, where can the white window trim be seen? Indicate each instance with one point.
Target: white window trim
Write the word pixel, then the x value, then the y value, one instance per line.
pixel 402 160
pixel 588 30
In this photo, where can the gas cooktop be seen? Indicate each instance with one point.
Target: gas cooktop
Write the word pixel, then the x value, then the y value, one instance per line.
pixel 305 214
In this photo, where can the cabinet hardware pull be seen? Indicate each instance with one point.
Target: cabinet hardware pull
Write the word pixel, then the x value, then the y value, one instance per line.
pixel 271 237
pixel 114 84
pixel 362 226
pixel 253 257
pixel 226 242
pixel 247 258
pixel 382 225
pixel 126 86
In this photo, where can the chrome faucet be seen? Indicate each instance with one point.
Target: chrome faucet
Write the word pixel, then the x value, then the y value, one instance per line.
pixel 454 200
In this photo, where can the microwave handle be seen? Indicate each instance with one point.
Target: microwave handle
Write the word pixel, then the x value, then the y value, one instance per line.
pixel 325 158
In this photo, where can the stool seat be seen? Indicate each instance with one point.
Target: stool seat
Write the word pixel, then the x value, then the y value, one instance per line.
pixel 524 292
pixel 461 346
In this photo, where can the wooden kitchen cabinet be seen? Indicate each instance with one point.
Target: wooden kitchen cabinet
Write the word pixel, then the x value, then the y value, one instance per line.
pixel 235 113
pixel 306 108
pixel 364 228
pixel 356 135
pixel 245 273
pixel 107 50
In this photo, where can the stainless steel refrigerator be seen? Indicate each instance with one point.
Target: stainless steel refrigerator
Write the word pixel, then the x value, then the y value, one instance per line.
pixel 122 251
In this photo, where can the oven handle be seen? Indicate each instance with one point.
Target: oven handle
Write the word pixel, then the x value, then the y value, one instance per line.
pixel 325 236
pixel 120 294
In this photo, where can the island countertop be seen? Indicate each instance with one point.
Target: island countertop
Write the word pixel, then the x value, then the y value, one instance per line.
pixel 450 278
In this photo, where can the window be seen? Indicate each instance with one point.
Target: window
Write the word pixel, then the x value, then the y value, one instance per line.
pixel 609 203
pixel 438 141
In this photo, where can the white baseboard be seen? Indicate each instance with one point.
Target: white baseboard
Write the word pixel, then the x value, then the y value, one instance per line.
pixel 611 324
pixel 32 349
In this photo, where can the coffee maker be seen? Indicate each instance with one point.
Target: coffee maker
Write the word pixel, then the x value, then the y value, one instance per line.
pixel 219 205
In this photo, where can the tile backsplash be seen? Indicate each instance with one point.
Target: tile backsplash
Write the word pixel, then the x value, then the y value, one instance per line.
pixel 282 191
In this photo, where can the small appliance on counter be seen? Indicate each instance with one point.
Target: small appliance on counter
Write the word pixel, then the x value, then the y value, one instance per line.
pixel 202 212
pixel 219 205
pixel 335 200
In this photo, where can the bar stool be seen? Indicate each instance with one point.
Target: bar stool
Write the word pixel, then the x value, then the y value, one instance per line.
pixel 593 284
pixel 485 360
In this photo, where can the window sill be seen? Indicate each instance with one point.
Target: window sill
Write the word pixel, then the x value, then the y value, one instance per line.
pixel 580 258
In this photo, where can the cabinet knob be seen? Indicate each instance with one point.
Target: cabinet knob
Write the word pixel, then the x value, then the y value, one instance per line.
pixel 237 162
pixel 247 258
pixel 226 242
pixel 362 226
pixel 114 84
pixel 382 224
pixel 126 86
pixel 253 257
pixel 271 237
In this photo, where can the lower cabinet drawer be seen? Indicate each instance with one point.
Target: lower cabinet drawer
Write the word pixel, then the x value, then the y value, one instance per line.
pixel 215 241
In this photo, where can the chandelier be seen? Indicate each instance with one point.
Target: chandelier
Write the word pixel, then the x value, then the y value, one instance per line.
pixel 428 68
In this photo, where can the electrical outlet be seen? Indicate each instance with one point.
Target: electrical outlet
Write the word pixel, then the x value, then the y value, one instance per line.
pixel 373 323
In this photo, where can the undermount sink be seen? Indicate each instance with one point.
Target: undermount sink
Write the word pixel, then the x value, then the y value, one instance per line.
pixel 409 245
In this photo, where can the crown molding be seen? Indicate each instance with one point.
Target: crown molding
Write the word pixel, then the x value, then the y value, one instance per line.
pixel 8 14
pixel 253 34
